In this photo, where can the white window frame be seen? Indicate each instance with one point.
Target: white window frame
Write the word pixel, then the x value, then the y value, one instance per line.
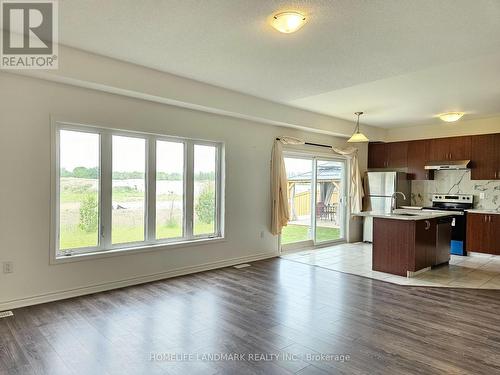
pixel 105 246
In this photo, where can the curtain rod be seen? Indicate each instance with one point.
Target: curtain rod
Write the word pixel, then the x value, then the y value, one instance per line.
pixel 312 144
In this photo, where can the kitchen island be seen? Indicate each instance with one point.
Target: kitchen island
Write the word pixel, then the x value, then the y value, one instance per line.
pixel 406 243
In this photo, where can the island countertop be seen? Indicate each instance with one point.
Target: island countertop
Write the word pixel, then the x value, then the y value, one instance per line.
pixel 403 214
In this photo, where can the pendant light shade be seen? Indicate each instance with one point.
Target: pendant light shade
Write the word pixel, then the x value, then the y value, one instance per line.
pixel 358 137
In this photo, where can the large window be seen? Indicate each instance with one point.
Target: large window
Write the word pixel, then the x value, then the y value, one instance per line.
pixel 121 190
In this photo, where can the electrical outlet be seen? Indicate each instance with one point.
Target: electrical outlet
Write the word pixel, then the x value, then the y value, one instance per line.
pixel 8 267
pixel 481 195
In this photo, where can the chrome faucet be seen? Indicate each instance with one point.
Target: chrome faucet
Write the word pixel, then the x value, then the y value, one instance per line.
pixel 393 199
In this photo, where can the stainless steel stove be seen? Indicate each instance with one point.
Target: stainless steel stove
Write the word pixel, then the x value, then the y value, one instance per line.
pixel 457 203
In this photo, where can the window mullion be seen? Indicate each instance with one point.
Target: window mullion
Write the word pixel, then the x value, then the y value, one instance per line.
pixel 106 190
pixel 189 190
pixel 151 190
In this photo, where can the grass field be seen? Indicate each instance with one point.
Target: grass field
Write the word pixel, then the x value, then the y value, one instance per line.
pixel 127 215
pixel 295 233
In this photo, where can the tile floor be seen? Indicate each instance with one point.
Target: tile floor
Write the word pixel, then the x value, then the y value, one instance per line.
pixel 474 271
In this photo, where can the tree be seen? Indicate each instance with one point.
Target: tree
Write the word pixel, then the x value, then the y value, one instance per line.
pixel 205 207
pixel 82 172
pixel 89 218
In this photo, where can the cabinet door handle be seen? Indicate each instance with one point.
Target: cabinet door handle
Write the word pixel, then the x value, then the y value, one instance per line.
pixel 485 218
pixel 489 219
pixel 427 224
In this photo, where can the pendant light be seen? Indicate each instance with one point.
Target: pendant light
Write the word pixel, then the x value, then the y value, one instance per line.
pixel 358 137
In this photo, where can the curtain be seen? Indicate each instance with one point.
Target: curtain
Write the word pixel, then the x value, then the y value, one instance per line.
pixel 279 189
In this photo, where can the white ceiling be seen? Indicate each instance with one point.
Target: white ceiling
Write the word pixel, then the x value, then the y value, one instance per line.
pixel 401 61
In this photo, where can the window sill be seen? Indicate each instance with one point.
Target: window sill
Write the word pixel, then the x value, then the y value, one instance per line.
pixel 133 250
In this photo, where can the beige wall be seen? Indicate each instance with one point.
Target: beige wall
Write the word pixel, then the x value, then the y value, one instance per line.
pixel 440 130
pixel 26 105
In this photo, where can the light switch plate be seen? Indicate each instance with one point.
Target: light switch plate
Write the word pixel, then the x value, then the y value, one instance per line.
pixel 8 267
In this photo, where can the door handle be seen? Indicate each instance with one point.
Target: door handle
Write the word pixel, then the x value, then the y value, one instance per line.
pixel 427 224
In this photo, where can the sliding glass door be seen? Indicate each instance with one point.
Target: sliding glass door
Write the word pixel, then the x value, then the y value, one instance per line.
pixel 316 189
pixel 330 207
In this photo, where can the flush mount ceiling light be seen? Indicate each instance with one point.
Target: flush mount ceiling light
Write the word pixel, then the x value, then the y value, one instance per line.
pixel 288 22
pixel 358 137
pixel 451 116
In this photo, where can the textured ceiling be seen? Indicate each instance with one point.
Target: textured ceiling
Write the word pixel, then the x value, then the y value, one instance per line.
pixel 377 55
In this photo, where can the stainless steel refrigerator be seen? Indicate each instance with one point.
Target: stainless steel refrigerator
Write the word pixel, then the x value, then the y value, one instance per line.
pixel 379 188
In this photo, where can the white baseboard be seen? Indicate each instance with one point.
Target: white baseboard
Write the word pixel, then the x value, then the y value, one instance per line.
pixel 64 294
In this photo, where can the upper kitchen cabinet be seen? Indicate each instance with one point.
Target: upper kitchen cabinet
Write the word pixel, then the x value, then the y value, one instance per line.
pixel 485 157
pixel 377 155
pixel 417 151
pixel 396 154
pixel 454 148
pixel 387 155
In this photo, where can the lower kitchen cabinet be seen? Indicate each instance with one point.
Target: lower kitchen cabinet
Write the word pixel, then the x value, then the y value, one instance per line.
pixel 400 246
pixel 483 233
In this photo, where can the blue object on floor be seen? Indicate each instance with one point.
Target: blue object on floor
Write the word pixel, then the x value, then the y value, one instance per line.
pixel 457 248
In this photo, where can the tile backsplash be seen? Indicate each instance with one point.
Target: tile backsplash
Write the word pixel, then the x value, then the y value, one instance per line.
pixel 457 182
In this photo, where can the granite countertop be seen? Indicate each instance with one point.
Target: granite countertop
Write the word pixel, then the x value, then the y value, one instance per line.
pixel 483 211
pixel 401 214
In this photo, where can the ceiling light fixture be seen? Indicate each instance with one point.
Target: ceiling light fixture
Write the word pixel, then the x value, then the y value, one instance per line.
pixel 358 137
pixel 288 22
pixel 451 116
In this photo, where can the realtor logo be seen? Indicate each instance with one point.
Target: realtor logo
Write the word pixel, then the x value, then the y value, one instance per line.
pixel 29 34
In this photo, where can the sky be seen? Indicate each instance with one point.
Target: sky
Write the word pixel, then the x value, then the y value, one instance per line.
pixel 80 149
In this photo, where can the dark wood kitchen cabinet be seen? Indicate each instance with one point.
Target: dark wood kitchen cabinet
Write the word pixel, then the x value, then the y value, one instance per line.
pixel 377 155
pixel 387 155
pixel 425 244
pixel 400 246
pixel 454 148
pixel 416 158
pixel 397 154
pixel 485 157
pixel 482 150
pixel 483 233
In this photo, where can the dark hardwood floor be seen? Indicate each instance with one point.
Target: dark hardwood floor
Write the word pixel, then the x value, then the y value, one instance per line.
pixel 289 311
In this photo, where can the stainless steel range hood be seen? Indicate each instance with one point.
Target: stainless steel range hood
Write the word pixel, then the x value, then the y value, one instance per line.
pixel 447 165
